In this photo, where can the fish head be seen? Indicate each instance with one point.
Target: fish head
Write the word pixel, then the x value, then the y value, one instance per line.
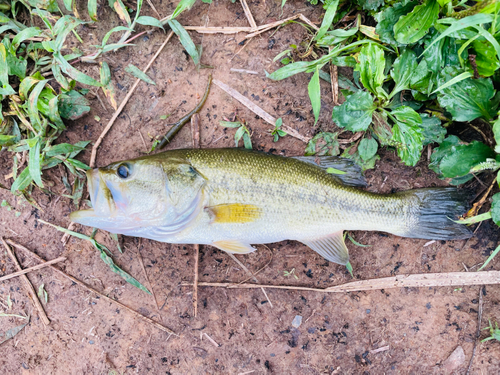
pixel 125 194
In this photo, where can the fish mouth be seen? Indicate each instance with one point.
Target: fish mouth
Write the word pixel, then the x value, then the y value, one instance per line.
pixel 101 198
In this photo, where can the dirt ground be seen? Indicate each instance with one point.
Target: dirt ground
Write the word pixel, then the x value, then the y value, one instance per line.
pixel 339 332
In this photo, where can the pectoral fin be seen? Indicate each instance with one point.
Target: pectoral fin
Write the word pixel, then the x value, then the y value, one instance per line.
pixel 234 247
pixel 234 213
pixel 331 247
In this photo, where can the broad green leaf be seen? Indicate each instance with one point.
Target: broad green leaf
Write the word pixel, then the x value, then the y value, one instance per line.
pixel 149 21
pixel 389 17
pixel 328 18
pixel 314 90
pixel 355 114
pixel 489 38
pixel 495 208
pixel 73 105
pixel 186 40
pixel 367 148
pixel 486 57
pixel 22 181
pixel 371 68
pixel 27 33
pixel 365 165
pixel 17 66
pixel 137 73
pixel 323 143
pixel 468 99
pixel 459 24
pixel 92 8
pixel 35 164
pixel 403 70
pixel 432 130
pixel 72 72
pixel 412 27
pixel 7 140
pixel 182 6
pixel 407 133
pixel 453 158
pixel 370 4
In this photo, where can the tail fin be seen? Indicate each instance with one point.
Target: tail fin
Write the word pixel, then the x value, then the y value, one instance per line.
pixel 435 210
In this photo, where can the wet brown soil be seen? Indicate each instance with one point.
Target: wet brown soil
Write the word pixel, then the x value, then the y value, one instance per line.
pixel 254 333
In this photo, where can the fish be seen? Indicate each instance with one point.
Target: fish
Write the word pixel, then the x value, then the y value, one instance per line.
pixel 233 198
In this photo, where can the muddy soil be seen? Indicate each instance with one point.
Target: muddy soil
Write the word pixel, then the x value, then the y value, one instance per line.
pixel 253 332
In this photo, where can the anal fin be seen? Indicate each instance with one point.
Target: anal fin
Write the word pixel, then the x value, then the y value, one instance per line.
pixel 234 247
pixel 331 247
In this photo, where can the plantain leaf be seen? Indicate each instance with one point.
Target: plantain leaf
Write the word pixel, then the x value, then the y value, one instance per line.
pixel 403 70
pixel 412 27
pixel 371 68
pixel 389 17
pixel 367 148
pixel 355 114
pixel 407 133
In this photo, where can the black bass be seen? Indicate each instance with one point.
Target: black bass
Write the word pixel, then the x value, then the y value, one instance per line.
pixel 232 198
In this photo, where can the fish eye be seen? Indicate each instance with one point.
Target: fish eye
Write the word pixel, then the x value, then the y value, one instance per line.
pixel 123 171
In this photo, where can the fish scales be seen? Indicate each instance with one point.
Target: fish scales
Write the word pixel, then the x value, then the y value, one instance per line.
pixel 231 198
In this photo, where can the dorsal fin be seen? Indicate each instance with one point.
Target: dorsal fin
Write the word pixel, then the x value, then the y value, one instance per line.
pixel 353 175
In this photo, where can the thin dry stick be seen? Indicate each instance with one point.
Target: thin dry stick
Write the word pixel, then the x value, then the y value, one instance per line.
pixel 478 332
pixel 269 26
pixel 66 236
pixel 335 82
pixel 123 103
pixel 154 9
pixel 400 281
pixel 75 280
pixel 265 265
pixel 34 268
pixel 195 131
pixel 233 257
pixel 149 284
pixel 27 284
pixel 259 111
pixel 218 30
pixel 248 14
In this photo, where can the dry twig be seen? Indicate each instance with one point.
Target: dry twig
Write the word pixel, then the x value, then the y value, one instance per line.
pixel 75 280
pixel 123 103
pixel 259 111
pixel 478 332
pixel 400 281
pixel 248 14
pixel 34 268
pixel 27 284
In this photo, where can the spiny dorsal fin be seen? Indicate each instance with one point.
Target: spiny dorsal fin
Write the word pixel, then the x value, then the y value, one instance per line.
pixel 234 247
pixel 234 213
pixel 353 175
pixel 331 247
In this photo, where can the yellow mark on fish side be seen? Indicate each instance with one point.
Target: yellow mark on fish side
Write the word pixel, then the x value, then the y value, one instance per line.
pixel 234 213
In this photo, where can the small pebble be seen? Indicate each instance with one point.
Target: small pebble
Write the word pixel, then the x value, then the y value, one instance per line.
pixel 368 311
pixel 91 342
pixel 297 321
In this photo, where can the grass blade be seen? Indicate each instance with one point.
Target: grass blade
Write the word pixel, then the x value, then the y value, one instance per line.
pixel 186 40
pixel 454 80
pixel 34 163
pixel 74 73
pixel 137 73
pixel 490 258
pixel 22 181
pixel 149 21
pixel 328 18
pixel 92 8
pixel 314 90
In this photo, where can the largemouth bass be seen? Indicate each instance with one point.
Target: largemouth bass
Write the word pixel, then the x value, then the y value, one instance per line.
pixel 232 198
